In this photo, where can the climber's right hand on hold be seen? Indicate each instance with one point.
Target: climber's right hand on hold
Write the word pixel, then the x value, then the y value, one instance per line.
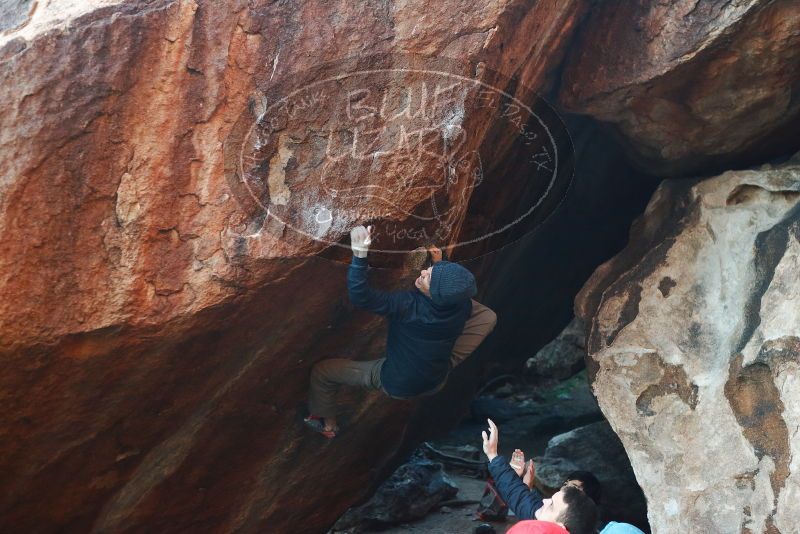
pixel 360 240
pixel 435 252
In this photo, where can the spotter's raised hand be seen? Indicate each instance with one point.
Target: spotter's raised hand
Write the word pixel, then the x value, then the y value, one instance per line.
pixel 490 441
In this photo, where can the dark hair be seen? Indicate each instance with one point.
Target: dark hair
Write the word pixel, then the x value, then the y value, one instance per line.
pixel 580 517
pixel 591 486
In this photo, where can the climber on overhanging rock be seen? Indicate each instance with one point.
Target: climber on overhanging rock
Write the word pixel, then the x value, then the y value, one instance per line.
pixel 431 329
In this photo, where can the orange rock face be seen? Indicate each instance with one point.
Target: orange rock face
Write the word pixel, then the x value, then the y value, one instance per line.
pixel 156 329
pixel 691 85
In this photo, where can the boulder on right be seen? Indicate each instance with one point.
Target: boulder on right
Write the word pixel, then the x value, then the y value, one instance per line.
pixel 694 351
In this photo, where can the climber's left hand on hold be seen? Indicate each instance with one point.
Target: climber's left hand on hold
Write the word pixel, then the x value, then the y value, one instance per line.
pixel 360 240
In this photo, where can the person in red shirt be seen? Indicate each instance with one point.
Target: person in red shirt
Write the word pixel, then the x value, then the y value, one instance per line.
pixel 537 527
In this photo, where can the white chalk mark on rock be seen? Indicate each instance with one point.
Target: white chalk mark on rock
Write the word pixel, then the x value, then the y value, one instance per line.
pixel 275 63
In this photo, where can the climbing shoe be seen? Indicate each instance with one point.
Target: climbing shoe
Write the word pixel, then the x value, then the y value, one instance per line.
pixel 317 424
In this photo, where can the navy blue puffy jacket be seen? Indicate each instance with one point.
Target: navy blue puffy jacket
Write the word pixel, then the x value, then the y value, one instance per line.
pixel 421 334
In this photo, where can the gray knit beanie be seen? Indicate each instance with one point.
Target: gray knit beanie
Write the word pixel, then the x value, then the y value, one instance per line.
pixel 451 283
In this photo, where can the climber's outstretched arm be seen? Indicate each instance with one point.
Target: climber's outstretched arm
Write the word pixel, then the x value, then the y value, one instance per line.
pixel 394 304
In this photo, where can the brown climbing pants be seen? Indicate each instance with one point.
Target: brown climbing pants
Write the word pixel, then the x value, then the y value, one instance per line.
pixel 479 325
pixel 328 375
